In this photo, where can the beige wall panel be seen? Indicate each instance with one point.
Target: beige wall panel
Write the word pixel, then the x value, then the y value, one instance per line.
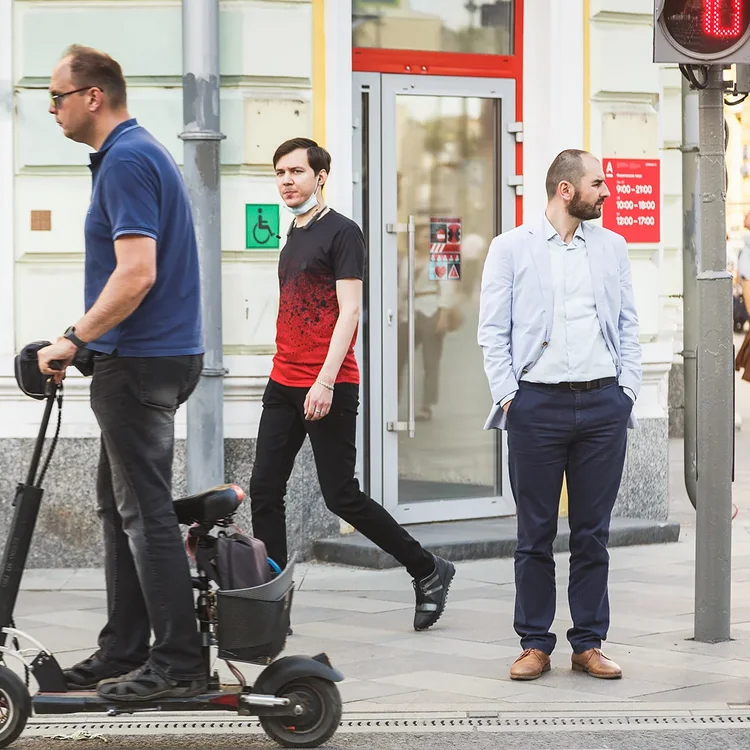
pixel 630 135
pixel 67 200
pixel 671 113
pixel 617 66
pixel 622 6
pixel 40 142
pixel 49 298
pixel 671 172
pixel 250 303
pixel 269 122
pixel 146 37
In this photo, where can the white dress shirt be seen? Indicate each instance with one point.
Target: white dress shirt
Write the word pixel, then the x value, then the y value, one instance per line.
pixel 577 351
pixel 743 262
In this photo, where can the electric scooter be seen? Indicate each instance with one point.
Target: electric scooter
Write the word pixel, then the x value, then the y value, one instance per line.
pixel 295 697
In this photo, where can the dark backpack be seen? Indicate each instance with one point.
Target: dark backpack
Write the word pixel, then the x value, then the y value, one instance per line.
pixel 235 561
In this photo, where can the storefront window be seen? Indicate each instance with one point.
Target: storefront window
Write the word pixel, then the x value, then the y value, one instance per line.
pixel 464 26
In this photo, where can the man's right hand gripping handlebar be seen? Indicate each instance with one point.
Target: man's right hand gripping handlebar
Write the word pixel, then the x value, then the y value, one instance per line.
pixel 56 358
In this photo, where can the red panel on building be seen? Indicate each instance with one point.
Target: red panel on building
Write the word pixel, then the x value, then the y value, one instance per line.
pixel 634 208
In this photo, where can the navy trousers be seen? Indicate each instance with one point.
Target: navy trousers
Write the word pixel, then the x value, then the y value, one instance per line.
pixel 582 434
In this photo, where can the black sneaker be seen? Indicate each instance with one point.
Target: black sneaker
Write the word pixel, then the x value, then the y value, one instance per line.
pixel 432 593
pixel 87 674
pixel 146 684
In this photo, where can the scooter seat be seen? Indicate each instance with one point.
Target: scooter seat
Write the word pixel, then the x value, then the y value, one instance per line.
pixel 209 507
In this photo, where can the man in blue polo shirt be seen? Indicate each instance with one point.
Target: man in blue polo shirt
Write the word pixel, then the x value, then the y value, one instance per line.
pixel 143 324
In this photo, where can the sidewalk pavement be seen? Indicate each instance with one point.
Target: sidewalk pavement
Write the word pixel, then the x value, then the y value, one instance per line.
pixel 363 620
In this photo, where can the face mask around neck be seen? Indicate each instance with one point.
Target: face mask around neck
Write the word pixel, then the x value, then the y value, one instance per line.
pixel 308 205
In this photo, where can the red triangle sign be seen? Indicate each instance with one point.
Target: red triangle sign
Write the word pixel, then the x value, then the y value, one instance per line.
pixel 453 273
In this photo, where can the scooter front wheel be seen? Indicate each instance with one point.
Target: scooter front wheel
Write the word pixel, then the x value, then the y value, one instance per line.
pixel 15 706
pixel 318 720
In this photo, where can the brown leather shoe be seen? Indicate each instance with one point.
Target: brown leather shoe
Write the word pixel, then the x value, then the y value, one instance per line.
pixel 595 663
pixel 530 665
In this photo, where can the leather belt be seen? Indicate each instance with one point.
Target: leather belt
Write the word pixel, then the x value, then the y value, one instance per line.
pixel 585 386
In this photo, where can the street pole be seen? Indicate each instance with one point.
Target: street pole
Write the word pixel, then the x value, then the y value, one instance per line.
pixel 690 263
pixel 202 139
pixel 715 385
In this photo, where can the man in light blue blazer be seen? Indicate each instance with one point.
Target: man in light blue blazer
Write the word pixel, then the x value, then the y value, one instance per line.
pixel 559 333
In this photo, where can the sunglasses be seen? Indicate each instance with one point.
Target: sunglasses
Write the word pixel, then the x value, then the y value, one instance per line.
pixel 57 98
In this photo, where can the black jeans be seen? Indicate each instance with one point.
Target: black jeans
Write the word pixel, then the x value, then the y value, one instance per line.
pixel 148 577
pixel 583 435
pixel 280 436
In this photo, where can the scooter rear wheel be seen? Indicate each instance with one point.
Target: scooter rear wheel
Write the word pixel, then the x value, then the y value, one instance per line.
pixel 15 706
pixel 319 721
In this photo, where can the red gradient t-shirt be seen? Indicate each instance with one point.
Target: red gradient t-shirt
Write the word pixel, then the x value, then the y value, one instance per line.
pixel 314 258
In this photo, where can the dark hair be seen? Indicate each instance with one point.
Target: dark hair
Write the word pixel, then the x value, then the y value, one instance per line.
pixel 568 166
pixel 89 67
pixel 317 156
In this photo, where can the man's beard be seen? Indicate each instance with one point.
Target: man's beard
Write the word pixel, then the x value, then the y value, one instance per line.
pixel 579 209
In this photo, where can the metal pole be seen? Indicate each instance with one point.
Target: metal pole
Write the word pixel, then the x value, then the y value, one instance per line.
pixel 690 263
pixel 713 545
pixel 202 139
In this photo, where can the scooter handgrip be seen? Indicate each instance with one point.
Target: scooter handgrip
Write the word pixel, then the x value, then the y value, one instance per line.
pixel 55 364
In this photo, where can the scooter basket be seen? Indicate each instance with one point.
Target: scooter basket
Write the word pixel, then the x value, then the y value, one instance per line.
pixel 253 623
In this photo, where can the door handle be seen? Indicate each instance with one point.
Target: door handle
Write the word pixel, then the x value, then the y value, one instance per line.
pixel 410 229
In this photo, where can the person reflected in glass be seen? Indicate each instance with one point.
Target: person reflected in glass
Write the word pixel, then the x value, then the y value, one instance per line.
pixel 437 312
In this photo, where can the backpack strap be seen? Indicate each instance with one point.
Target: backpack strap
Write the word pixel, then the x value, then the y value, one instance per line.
pixel 205 558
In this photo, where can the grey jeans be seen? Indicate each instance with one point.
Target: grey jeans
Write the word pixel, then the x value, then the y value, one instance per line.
pixel 148 578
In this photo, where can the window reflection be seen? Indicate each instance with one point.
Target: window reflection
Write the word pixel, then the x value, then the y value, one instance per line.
pixel 445 171
pixel 473 26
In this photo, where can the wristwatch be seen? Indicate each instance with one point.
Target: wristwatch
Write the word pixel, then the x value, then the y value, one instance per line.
pixel 70 334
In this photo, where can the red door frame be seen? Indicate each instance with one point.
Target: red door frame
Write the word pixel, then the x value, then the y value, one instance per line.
pixel 414 62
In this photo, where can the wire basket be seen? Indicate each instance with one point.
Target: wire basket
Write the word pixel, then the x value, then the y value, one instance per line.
pixel 253 623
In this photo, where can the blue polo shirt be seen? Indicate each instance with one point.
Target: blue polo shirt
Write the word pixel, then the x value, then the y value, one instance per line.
pixel 138 189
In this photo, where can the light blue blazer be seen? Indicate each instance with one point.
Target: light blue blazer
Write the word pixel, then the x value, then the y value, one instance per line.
pixel 517 301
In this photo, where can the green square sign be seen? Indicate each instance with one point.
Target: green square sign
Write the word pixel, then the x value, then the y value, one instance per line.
pixel 262 226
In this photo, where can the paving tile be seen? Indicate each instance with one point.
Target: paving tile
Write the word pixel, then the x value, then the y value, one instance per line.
pixel 88 579
pixel 359 690
pixel 51 579
pixel 536 693
pixel 445 646
pixel 346 633
pixel 396 663
pixel 345 602
pixel 478 687
pixel 32 602
pixel 729 691
pixel 424 700
pixel 82 620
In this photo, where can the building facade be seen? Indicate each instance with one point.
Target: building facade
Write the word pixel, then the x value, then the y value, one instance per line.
pixel 444 111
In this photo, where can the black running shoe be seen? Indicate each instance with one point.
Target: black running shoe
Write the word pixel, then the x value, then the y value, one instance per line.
pixel 87 674
pixel 146 684
pixel 432 593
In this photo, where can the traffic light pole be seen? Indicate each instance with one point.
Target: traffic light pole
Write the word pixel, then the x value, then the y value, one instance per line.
pixel 691 209
pixel 715 418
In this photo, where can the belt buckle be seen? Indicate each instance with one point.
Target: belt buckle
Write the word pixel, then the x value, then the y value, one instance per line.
pixel 579 390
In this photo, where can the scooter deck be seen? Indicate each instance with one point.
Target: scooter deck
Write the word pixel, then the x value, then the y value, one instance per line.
pixel 87 701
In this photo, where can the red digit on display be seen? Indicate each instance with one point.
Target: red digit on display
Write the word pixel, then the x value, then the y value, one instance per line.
pixel 713 24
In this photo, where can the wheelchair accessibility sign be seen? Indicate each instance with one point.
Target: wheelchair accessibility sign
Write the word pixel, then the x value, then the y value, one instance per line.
pixel 262 226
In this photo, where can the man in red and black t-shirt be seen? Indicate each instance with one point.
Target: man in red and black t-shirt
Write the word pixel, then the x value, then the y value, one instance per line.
pixel 314 384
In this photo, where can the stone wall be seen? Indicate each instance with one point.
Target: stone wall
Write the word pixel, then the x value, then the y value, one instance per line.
pixel 68 531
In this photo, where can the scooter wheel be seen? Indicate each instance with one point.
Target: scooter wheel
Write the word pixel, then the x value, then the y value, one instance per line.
pixel 319 718
pixel 15 706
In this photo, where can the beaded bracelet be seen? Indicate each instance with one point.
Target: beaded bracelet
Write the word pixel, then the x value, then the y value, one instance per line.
pixel 325 385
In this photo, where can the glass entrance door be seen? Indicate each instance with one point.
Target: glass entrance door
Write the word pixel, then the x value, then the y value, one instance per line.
pixel 437 156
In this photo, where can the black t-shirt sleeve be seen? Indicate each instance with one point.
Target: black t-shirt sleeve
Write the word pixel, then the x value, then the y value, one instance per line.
pixel 348 253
